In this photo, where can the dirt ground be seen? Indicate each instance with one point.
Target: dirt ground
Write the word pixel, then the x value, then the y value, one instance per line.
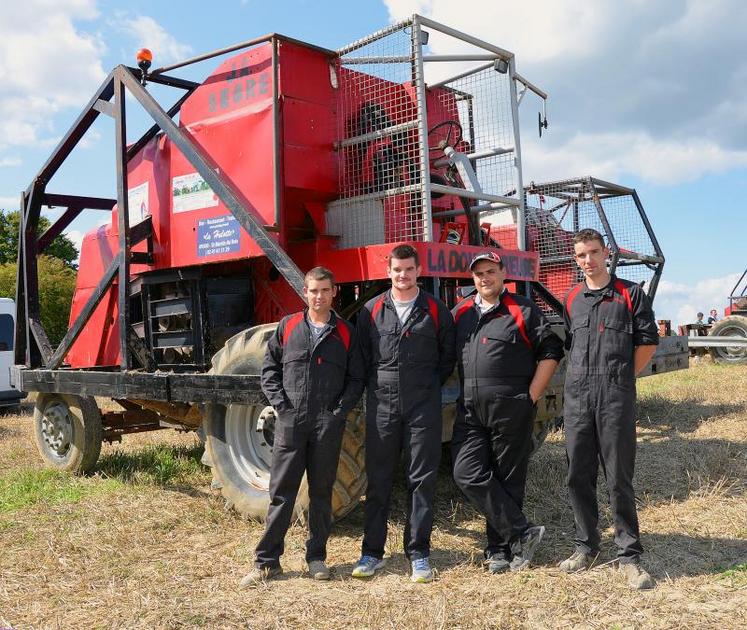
pixel 145 543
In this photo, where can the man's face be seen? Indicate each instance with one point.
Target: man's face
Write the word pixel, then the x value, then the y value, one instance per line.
pixel 488 278
pixel 403 273
pixel 319 295
pixel 591 257
pixel 713 312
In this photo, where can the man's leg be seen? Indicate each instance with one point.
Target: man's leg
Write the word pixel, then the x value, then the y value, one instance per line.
pixel 287 469
pixel 383 439
pixel 421 442
pixel 475 477
pixel 617 442
pixel 510 420
pixel 582 451
pixel 324 454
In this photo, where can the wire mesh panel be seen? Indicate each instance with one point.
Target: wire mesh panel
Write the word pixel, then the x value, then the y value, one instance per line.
pixel 400 139
pixel 476 107
pixel 381 192
pixel 555 211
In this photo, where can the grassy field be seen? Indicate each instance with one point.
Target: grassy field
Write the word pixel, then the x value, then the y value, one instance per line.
pixel 145 543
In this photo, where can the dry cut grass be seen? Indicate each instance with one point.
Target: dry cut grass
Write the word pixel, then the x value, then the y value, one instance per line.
pixel 145 543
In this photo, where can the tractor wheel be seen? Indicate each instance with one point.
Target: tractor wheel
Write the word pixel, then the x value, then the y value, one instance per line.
pixel 732 326
pixel 240 452
pixel 68 431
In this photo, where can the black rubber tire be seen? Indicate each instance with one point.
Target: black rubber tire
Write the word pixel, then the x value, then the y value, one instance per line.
pixel 84 442
pixel 241 464
pixel 729 326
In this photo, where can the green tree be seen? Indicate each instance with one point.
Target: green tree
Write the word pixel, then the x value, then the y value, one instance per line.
pixel 61 247
pixel 56 288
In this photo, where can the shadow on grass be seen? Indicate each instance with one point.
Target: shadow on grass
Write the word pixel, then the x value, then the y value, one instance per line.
pixel 668 415
pixel 157 465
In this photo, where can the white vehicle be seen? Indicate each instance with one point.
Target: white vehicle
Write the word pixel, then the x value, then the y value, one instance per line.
pixel 8 394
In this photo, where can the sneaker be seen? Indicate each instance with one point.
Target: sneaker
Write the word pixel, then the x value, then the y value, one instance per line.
pixel 259 576
pixel 318 570
pixel 529 542
pixel 579 561
pixel 367 566
pixel 638 578
pixel 421 571
pixel 498 563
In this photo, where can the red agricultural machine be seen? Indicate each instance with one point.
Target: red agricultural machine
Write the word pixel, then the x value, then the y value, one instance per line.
pixel 285 157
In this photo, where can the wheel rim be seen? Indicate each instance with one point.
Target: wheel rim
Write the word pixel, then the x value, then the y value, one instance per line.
pixel 250 446
pixel 57 430
pixel 732 353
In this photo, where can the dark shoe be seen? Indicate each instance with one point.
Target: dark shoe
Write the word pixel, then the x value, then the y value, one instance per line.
pixel 498 563
pixel 259 575
pixel 579 561
pixel 318 570
pixel 529 543
pixel 638 578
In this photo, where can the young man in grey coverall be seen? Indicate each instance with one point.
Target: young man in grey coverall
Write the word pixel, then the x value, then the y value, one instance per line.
pixel 407 343
pixel 611 335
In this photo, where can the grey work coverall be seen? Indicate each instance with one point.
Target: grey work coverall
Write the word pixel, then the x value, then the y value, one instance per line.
pixel 407 365
pixel 603 328
pixel 498 355
pixel 312 387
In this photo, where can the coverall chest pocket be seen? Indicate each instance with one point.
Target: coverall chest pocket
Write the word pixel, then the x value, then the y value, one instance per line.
pixel 422 345
pixel 386 343
pixel 618 338
pixel 498 343
pixel 330 377
pixel 295 365
pixel 579 340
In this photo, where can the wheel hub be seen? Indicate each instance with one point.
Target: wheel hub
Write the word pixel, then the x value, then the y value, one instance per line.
pixel 251 441
pixel 57 429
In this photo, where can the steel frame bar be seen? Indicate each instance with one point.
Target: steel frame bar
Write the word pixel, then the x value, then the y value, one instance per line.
pixel 243 389
pixel 123 206
pixel 461 75
pixel 463 192
pixel 276 139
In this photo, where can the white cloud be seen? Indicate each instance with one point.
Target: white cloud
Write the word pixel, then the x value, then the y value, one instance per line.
pixel 45 65
pixel 45 68
pixel 613 156
pixel 10 203
pixel 76 237
pixel 681 302
pixel 654 90
pixel 150 34
pixel 10 161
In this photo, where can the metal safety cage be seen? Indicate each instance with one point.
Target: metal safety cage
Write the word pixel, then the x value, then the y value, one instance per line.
pixel 738 296
pixel 423 138
pixel 32 346
pixel 555 211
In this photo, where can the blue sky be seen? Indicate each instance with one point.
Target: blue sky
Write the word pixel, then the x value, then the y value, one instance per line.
pixel 652 97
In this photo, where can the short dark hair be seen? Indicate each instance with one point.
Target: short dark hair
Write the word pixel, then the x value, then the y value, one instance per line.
pixel 586 235
pixel 403 252
pixel 319 273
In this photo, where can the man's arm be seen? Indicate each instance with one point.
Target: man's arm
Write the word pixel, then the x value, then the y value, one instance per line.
pixel 446 343
pixel 355 378
pixel 645 331
pixel 545 369
pixel 272 371
pixel 642 356
pixel 363 329
pixel 548 351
